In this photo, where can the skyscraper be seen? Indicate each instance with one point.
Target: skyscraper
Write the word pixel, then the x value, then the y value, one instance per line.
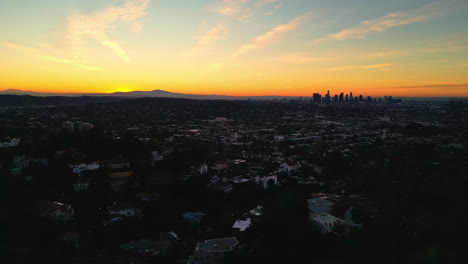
pixel 317 98
pixel 327 97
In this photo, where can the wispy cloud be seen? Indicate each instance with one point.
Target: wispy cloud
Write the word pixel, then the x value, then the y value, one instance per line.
pixel 206 39
pixel 36 53
pixel 377 66
pixel 380 67
pixel 273 35
pixel 242 9
pixel 98 25
pixel 389 21
pixel 408 52
pixel 301 58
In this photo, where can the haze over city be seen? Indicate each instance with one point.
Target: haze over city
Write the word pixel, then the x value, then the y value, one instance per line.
pixel 236 47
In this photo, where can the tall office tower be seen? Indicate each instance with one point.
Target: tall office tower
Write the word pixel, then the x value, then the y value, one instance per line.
pixel 361 98
pixel 341 97
pixel 390 99
pixel 369 99
pixel 317 98
pixel 336 98
pixel 351 96
pixel 385 99
pixel 347 98
pixel 327 97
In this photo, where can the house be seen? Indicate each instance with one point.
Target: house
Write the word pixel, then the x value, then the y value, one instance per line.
pixel 288 167
pixel 148 247
pixel 119 179
pixel 203 169
pixel 325 223
pixel 118 212
pixel 278 138
pixel 320 205
pixel 147 197
pixel 79 169
pixel 58 211
pixel 225 187
pixel 193 218
pixel 213 251
pixel 84 127
pixel 156 156
pixel 219 167
pixel 266 181
pixel 240 180
pixel 214 180
pixel 257 211
pixel 10 142
pixel 322 218
pixel 80 185
pixel 23 162
pixel 118 163
pixel 242 225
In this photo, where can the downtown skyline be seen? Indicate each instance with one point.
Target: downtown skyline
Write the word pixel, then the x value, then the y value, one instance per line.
pixel 235 47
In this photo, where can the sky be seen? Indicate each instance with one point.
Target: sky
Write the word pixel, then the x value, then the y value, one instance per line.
pixel 236 47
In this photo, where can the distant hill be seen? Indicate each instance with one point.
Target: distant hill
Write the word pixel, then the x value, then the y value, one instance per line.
pixel 142 94
pixel 11 100
pixel 21 92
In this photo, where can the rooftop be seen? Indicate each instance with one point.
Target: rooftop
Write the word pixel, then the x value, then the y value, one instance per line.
pixel 320 205
pixel 220 244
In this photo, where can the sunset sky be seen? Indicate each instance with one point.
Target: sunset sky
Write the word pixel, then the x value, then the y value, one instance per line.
pixel 236 47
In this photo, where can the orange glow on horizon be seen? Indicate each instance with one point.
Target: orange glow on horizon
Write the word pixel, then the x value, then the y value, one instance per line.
pixel 414 91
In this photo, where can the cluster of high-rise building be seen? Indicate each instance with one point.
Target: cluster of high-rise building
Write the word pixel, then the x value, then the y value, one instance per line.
pixel 349 98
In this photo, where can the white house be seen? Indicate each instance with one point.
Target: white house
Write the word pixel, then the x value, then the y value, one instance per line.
pixel 279 138
pixel 265 181
pixel 257 211
pixel 203 169
pixel 325 223
pixel 79 169
pixel 288 167
pixel 242 225
pixel 123 210
pixel 10 142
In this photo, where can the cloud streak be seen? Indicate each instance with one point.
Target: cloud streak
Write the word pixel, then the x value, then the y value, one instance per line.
pixel 33 52
pixel 98 25
pixel 273 35
pixel 205 40
pixel 389 21
pixel 301 58
pixel 242 9
pixel 380 67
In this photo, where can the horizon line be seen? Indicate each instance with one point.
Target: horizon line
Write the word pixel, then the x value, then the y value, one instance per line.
pixel 273 95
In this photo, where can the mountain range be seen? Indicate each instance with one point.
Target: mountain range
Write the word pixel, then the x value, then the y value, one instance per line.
pixel 143 94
